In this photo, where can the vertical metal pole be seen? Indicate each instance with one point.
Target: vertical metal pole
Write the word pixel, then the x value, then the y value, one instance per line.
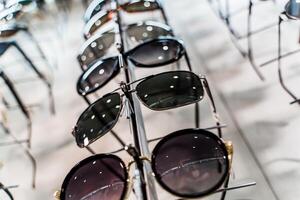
pixel 140 140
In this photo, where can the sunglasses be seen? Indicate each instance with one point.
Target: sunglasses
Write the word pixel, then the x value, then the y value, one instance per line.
pixel 197 167
pixel 161 51
pixel 159 92
pixel 99 44
pixel 133 6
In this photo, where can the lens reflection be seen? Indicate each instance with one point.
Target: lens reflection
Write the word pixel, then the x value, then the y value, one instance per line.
pixel 99 178
pixel 293 9
pixel 140 6
pixel 159 52
pixel 170 90
pixel 97 119
pixel 190 163
pixel 98 75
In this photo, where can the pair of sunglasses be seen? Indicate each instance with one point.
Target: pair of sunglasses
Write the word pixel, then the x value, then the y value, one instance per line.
pixel 161 52
pixel 99 44
pixel 159 92
pixel 189 163
pixel 102 17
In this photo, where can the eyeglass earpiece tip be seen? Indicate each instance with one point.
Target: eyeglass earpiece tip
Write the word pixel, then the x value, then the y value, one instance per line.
pixel 56 195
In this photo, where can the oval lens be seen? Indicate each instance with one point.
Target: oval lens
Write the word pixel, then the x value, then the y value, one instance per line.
pixel 98 177
pixel 97 119
pixel 170 90
pixel 190 163
pixel 96 22
pixel 98 75
pixel 140 6
pixel 159 52
pixel 147 30
pixel 95 48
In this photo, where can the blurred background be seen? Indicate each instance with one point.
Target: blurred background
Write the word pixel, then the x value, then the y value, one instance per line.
pixel 261 122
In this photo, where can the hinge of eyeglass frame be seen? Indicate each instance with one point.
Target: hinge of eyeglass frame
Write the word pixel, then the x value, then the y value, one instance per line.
pixel 229 148
pixel 56 195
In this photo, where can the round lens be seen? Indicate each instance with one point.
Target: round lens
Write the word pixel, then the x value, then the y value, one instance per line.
pixel 98 75
pixel 98 177
pixel 190 163
pixel 97 119
pixel 170 90
pixel 159 52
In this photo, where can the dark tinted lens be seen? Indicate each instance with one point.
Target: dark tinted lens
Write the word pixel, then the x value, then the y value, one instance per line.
pixel 159 52
pixel 190 163
pixel 96 22
pixel 147 30
pixel 140 6
pixel 95 48
pixel 170 90
pixel 98 75
pixel 293 9
pixel 98 178
pixel 97 119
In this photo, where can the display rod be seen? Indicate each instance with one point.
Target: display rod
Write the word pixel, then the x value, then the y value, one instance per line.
pixel 145 178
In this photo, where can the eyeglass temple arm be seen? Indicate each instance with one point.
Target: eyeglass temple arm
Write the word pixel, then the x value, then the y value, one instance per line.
pixel 2 187
pixel 197 109
pixel 250 184
pixel 30 156
pixel 11 87
pixel 39 74
pixel 159 138
pixel 208 128
pixel 281 81
pixel 213 105
pixel 281 19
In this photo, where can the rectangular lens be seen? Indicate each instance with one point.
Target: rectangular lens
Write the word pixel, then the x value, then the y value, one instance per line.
pixel 170 90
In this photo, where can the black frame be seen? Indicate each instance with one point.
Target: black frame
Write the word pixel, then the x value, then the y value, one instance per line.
pixel 87 160
pixel 2 187
pixel 183 132
pixel 34 68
